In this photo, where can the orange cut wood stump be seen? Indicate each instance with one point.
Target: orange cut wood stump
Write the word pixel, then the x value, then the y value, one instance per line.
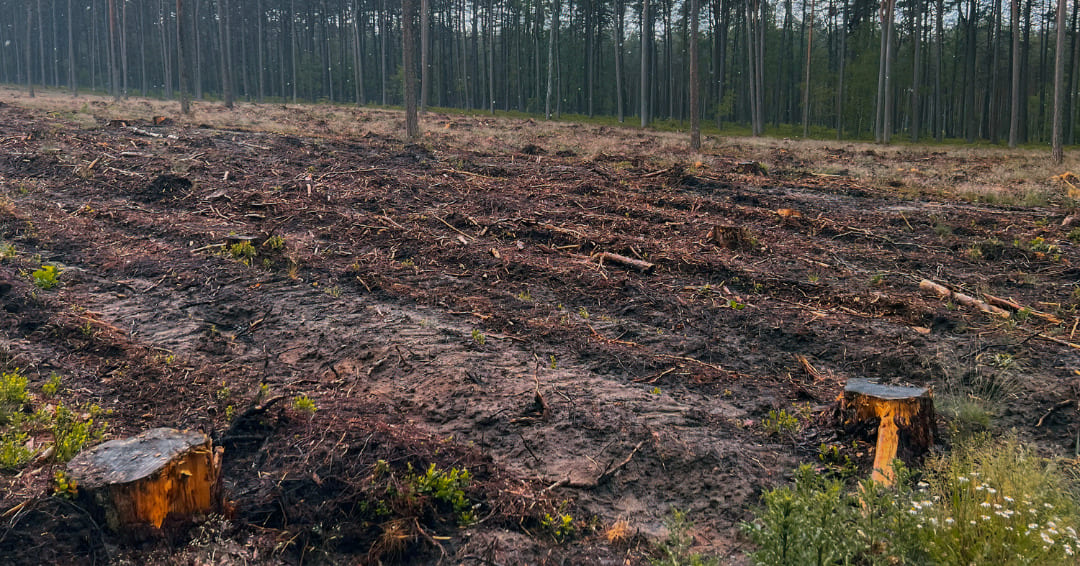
pixel 140 481
pixel 905 421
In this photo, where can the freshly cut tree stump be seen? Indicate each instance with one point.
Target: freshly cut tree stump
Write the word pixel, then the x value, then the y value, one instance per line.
pixel 906 421
pixel 139 481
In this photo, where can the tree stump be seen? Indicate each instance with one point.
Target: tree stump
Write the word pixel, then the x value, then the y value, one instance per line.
pixel 731 237
pixel 905 421
pixel 140 481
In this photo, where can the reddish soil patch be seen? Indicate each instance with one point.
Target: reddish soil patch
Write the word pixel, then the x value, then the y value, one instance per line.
pixel 424 295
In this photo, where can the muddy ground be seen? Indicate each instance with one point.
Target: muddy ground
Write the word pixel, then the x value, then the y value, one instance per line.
pixel 427 296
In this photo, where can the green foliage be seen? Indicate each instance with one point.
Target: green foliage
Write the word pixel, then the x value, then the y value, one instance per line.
pixel 275 243
pixel 1074 235
pixel 303 404
pixel 243 252
pixel 46 277
pixel 781 422
pixel 7 251
pixel 675 551
pixel 72 431
pixel 64 485
pixel 13 394
pixel 560 525
pixel 51 387
pixel 478 337
pixel 446 488
pixel 988 502
pixel 13 450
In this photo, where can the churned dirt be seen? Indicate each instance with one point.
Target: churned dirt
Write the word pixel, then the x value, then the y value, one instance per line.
pixel 447 302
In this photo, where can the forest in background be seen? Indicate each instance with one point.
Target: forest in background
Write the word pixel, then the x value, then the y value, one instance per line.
pixel 853 69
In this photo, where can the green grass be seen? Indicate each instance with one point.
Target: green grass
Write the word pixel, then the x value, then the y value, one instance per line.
pixel 990 501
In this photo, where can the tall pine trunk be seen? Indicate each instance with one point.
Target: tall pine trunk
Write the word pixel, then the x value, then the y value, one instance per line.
pixel 72 84
pixel 619 15
pixel 695 112
pixel 1059 85
pixel 551 57
pixel 1014 113
pixel 408 56
pixel 806 88
pixel 916 80
pixel 181 58
pixel 646 35
pixel 425 53
pixel 27 50
pixel 226 63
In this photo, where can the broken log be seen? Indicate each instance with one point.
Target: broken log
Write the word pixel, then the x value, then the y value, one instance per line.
pixel 138 482
pixel 944 292
pixel 642 266
pixel 1015 306
pixel 905 421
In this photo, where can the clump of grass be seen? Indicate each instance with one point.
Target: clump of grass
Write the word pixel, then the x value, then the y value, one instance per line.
pixel 990 501
pixel 304 405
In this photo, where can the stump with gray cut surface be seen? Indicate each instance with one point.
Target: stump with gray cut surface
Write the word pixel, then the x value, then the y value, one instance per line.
pixel 906 421
pixel 140 481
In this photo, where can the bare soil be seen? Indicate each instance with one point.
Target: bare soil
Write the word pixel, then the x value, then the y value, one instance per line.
pixel 428 297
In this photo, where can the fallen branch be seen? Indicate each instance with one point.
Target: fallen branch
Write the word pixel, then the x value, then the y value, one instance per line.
pixel 1059 405
pixel 642 266
pixel 944 292
pixel 1058 341
pixel 612 470
pixel 1015 306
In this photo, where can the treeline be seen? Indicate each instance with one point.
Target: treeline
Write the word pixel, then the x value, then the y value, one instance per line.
pixel 849 68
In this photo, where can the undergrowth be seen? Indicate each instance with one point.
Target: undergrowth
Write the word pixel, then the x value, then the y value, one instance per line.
pixel 21 428
pixel 990 501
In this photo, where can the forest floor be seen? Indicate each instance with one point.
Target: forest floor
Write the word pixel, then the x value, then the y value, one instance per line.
pixel 446 302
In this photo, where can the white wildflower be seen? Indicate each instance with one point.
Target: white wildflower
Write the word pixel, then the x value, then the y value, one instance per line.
pixel 1046 537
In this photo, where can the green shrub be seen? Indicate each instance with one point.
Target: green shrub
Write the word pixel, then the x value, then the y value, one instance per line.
pixel 675 551
pixel 72 431
pixel 13 394
pixel 780 421
pixel 445 487
pixel 46 277
pixel 13 450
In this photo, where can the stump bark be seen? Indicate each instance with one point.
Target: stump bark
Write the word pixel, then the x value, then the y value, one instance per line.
pixel 905 421
pixel 140 481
